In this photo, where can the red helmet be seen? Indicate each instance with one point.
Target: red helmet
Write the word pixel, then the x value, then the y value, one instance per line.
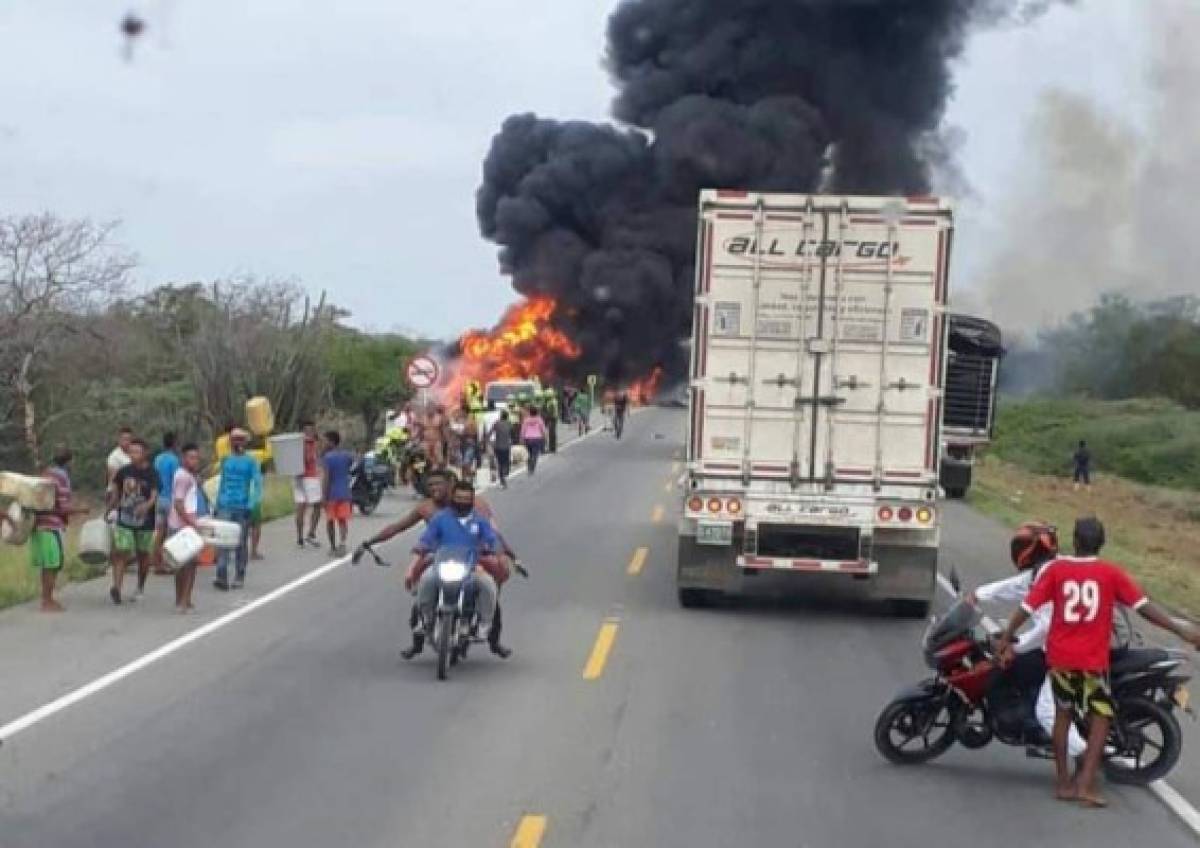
pixel 1034 543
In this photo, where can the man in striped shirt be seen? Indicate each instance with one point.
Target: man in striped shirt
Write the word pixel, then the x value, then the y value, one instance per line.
pixel 47 551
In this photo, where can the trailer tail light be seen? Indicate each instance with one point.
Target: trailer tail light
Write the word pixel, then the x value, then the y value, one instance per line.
pixel 925 515
pixel 695 504
pixel 905 514
pixel 885 513
pixel 714 504
pixel 734 506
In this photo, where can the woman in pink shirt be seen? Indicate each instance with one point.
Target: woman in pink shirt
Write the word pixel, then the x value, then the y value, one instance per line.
pixel 533 434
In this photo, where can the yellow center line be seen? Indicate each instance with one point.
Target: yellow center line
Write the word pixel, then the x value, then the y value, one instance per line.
pixel 600 650
pixel 639 559
pixel 529 832
pixel 658 513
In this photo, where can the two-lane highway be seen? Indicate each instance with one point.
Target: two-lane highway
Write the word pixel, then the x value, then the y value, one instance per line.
pixel 621 719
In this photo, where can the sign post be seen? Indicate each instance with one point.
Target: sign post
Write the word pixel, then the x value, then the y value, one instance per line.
pixel 422 374
pixel 592 380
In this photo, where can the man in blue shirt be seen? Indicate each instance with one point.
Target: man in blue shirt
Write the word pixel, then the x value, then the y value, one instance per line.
pixel 240 480
pixel 165 466
pixel 458 526
pixel 336 464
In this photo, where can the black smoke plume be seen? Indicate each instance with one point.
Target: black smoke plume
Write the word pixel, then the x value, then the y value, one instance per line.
pixel 771 95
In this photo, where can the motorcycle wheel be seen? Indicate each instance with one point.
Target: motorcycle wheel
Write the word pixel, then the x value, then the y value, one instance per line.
pixel 1152 743
pixel 370 502
pixel 442 637
pixel 928 723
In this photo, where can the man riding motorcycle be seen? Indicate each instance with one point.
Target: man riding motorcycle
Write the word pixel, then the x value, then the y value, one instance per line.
pixel 458 526
pixel 424 511
pixel 1033 545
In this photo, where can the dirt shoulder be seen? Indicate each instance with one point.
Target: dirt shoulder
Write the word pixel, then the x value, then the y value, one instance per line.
pixel 1153 532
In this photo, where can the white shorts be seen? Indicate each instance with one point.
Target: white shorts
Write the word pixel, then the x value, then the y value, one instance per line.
pixel 307 490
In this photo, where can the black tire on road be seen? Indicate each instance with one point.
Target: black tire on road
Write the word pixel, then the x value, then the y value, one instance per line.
pixel 696 598
pixel 442 633
pixel 913 719
pixel 368 504
pixel 1153 731
pixel 911 608
pixel 956 494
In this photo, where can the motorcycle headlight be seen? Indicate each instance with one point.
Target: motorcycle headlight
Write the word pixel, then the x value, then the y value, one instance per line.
pixel 451 572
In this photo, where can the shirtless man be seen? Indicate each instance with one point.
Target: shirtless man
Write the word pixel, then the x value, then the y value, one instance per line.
pixel 439 499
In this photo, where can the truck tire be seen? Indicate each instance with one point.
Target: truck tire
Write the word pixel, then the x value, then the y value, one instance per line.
pixel 956 494
pixel 910 608
pixel 696 598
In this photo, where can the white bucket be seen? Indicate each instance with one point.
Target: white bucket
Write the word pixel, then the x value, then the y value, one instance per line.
pixel 288 449
pixel 16 530
pixel 36 493
pixel 220 534
pixel 95 541
pixel 183 548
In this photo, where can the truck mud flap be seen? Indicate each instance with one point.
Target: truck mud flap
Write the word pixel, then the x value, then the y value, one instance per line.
pixel 905 573
pixel 708 567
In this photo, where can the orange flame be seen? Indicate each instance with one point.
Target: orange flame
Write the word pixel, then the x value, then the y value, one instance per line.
pixel 642 391
pixel 523 345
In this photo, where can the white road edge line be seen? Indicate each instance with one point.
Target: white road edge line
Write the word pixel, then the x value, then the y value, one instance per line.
pixel 1171 799
pixel 113 677
pixel 98 685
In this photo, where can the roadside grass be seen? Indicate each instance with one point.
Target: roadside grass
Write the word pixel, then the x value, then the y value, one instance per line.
pixel 1151 441
pixel 19 582
pixel 1152 531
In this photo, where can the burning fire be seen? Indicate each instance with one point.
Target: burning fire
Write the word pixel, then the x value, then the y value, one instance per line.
pixel 522 345
pixel 643 391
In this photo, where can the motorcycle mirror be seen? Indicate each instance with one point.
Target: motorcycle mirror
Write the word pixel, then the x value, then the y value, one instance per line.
pixel 955 581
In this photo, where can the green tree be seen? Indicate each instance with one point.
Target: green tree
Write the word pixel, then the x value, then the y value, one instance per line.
pixel 367 373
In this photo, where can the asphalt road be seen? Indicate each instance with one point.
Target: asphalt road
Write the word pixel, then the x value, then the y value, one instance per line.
pixel 298 724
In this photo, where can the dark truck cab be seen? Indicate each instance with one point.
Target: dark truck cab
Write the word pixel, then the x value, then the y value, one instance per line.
pixel 974 351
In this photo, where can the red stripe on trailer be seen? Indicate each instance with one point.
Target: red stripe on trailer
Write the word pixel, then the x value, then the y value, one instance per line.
pixel 860 566
pixel 771 467
pixel 904 474
pixel 855 472
pixel 940 272
pixel 700 423
pixel 935 359
pixel 921 198
pixel 704 342
pixel 904 222
pixel 707 278
pixel 736 216
pixel 929 434
pixel 730 192
pixel 723 466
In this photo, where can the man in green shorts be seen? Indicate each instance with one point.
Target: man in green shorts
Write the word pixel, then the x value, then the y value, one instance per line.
pixel 133 496
pixel 46 543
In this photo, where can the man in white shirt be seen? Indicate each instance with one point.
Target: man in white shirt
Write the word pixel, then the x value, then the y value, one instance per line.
pixel 119 457
pixel 1033 546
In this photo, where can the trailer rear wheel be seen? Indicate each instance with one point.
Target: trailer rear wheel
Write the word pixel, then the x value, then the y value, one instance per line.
pixel 910 608
pixel 696 598
pixel 956 494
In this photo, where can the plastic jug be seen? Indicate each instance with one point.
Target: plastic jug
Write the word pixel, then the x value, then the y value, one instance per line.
pixel 220 534
pixel 183 547
pixel 95 541
pixel 259 417
pixel 289 454
pixel 36 493
pixel 16 530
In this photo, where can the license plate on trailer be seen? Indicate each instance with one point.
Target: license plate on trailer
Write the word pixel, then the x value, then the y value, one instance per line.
pixel 1182 697
pixel 714 533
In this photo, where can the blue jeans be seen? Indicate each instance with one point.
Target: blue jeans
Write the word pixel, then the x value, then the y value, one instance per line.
pixel 241 517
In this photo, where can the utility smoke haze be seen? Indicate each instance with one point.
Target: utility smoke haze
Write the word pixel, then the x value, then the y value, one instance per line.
pixel 1106 205
pixel 769 95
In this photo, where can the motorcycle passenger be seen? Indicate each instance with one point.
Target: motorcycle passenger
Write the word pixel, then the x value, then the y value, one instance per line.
pixel 459 526
pixel 439 499
pixel 1032 546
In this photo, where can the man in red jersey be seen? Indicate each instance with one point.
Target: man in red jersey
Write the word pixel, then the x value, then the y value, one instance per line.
pixel 1083 590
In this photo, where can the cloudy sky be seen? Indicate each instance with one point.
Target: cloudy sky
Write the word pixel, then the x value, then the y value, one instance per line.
pixel 341 145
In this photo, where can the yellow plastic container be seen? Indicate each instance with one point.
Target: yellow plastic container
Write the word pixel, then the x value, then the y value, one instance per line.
pixel 259 417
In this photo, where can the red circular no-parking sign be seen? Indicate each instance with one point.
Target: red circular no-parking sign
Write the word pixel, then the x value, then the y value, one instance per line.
pixel 422 372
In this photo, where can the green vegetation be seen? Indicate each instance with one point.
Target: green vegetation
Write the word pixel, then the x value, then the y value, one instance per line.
pixel 1156 442
pixel 18 581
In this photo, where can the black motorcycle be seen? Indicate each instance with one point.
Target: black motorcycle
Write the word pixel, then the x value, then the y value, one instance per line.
pixel 367 485
pixel 972 700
